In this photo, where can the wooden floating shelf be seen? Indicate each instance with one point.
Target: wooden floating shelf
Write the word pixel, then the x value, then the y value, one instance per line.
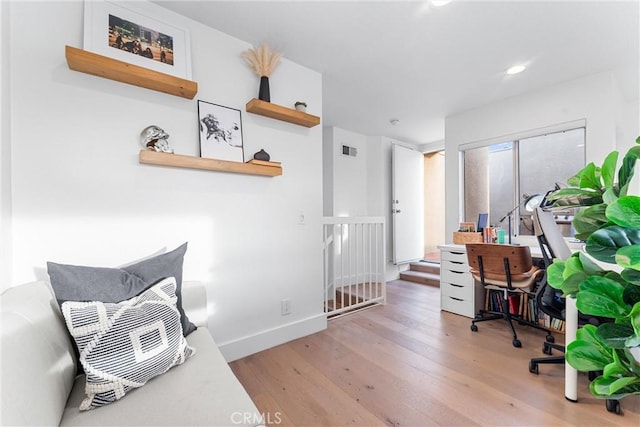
pixel 180 161
pixel 109 68
pixel 274 111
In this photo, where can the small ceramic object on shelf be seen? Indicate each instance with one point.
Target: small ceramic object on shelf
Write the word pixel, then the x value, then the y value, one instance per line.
pixel 155 138
pixel 262 155
pixel 301 106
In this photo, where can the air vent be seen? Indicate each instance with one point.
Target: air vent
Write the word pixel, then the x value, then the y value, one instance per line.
pixel 349 151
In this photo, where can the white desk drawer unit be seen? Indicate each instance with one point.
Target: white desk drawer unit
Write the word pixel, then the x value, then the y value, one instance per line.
pixel 458 291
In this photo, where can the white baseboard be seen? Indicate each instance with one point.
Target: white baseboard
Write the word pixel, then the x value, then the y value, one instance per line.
pixel 245 346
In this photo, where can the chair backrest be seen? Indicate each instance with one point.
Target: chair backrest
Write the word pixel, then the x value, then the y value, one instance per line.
pixel 548 233
pixel 493 256
pixel 553 246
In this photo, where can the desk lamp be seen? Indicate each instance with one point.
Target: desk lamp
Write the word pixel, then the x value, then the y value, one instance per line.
pixel 530 202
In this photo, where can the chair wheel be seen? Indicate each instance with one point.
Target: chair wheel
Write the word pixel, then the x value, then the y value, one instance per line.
pixel 533 367
pixel 550 338
pixel 613 406
pixel 474 328
pixel 517 343
pixel 546 349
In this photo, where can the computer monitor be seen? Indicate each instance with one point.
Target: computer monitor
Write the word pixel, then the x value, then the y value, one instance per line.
pixel 482 221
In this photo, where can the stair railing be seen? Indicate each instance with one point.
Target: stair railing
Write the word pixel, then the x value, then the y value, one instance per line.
pixel 354 263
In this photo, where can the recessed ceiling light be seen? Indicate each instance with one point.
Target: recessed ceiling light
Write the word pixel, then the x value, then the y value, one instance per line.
pixel 438 3
pixel 394 122
pixel 516 69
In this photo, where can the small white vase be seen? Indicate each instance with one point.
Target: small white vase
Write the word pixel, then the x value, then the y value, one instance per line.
pixel 302 108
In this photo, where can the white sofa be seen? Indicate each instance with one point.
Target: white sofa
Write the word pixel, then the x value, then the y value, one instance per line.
pixel 40 386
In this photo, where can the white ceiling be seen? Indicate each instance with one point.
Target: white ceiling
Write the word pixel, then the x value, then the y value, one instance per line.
pixel 411 61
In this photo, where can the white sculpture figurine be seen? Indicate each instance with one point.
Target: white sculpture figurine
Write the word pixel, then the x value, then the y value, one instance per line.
pixel 154 138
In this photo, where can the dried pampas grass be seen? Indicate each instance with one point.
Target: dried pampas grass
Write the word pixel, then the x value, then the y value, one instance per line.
pixel 262 60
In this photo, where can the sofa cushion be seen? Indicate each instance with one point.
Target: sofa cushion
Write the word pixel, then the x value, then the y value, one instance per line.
pixel 38 367
pixel 203 391
pixel 80 283
pixel 123 345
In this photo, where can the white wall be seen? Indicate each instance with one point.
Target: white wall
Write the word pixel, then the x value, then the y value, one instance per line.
pixel 594 99
pixel 348 174
pixel 5 150
pixel 80 196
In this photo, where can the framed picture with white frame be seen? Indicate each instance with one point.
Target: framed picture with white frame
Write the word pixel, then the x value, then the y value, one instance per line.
pixel 137 33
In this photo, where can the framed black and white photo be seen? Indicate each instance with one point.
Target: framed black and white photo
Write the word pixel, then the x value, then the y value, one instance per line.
pixel 220 132
pixel 131 33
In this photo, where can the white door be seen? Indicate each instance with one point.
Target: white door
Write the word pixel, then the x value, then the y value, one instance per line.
pixel 407 206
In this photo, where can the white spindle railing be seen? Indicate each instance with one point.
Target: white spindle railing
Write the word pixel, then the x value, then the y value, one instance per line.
pixel 354 266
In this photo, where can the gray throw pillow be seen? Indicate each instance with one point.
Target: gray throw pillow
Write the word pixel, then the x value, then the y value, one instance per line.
pixel 111 285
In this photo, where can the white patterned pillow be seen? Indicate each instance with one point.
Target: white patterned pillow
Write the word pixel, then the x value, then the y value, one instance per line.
pixel 123 345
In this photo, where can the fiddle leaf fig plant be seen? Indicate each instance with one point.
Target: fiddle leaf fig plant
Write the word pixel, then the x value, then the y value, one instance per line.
pixel 610 225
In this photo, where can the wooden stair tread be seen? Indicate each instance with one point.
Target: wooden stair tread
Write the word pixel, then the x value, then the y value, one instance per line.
pixel 421 274
pixel 425 267
pixel 421 277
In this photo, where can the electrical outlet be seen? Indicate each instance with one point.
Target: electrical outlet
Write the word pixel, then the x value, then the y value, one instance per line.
pixel 285 306
pixel 301 218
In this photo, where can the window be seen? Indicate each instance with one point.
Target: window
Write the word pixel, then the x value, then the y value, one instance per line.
pixel 500 176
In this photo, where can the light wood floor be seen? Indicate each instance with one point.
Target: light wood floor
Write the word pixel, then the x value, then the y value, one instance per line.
pixel 409 364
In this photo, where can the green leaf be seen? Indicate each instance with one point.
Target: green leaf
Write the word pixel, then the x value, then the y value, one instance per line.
pixel 600 296
pixel 627 169
pixel 614 334
pixel 632 276
pixel 608 169
pixel 631 294
pixel 605 242
pixel 615 387
pixel 572 265
pixel 586 357
pixel 573 192
pixel 609 196
pixel 613 369
pixel 575 197
pixel 625 212
pixel 628 257
pixel 571 284
pixel 555 274
pixel 588 266
pixel 612 388
pixel 589 177
pixel 635 318
pixel 574 181
pixel 567 275
pixel 588 220
pixel 612 275
pixel 623 383
pixel 587 353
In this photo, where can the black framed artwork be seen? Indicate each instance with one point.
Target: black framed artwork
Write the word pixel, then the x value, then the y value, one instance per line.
pixel 220 132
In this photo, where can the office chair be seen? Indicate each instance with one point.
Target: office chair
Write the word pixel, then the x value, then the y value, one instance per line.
pixel 508 269
pixel 552 245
